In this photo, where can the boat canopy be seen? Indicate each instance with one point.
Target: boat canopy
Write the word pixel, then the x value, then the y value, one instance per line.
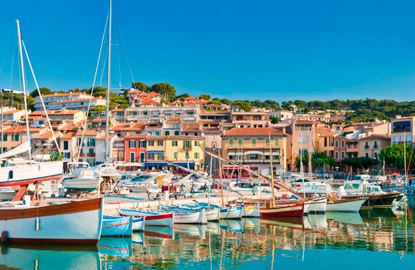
pixel 24 147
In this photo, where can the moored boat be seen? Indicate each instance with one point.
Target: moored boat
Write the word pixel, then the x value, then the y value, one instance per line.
pixel 65 223
pixel 117 226
pixel 150 218
pixel 345 204
pixel 231 212
pixel 283 209
pixel 317 205
pixel 251 210
pixel 183 216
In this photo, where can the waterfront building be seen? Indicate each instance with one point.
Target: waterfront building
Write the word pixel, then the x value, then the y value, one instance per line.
pixel 371 145
pixel 250 119
pixel 161 113
pixel 187 151
pixel 59 117
pixel 403 129
pixel 70 101
pixel 325 140
pixel 87 146
pixel 139 98
pixel 135 147
pixel 12 115
pixel 300 141
pixel 100 148
pixel 14 135
pixel 251 147
pixel 68 147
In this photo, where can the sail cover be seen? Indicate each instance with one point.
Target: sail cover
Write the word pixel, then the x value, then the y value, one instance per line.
pixel 24 147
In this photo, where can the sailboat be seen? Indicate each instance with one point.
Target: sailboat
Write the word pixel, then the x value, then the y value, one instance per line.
pixel 19 171
pixel 286 208
pixel 91 178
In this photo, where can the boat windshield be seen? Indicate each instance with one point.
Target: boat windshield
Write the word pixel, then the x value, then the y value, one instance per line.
pixel 140 178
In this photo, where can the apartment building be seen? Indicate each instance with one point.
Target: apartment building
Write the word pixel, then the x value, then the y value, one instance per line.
pixel 301 140
pixel 70 101
pixel 251 147
pixel 403 130
pixel 250 119
pixel 161 113
pixel 371 145
pixel 87 146
pixel 58 117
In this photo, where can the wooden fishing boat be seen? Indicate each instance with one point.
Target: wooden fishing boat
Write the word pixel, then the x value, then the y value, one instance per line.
pixel 212 213
pixel 150 218
pixel 283 209
pixel 345 204
pixel 231 212
pixel 138 223
pixel 184 216
pixel 251 210
pixel 65 223
pixel 117 226
pixel 317 205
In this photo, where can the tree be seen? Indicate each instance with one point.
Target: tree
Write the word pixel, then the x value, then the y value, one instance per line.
pixel 166 90
pixel 43 91
pixel 182 96
pixel 204 96
pixel 242 105
pixel 318 160
pixel 274 119
pixel 140 86
pixel 394 155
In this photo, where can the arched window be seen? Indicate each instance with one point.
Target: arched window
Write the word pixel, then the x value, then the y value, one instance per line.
pixel 10 174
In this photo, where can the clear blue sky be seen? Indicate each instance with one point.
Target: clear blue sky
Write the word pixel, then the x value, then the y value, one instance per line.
pixel 269 49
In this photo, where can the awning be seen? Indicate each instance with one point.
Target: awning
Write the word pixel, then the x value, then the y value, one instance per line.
pixel 156 164
pixel 155 151
pixel 185 164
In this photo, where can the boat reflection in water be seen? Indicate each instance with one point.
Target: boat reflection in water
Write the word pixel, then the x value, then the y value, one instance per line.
pixel 49 257
pixel 378 238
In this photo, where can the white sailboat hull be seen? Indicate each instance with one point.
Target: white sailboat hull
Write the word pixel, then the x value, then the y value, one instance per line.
pixel 190 217
pixel 212 214
pixel 28 173
pixel 316 206
pixel 345 206
pixel 81 184
pixel 72 223
pixel 231 213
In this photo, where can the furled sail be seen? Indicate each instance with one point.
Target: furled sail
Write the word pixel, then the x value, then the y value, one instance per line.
pixel 24 147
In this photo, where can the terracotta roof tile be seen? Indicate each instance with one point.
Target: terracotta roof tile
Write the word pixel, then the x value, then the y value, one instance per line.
pixel 254 132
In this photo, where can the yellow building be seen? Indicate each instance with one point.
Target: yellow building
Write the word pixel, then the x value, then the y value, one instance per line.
pixel 187 151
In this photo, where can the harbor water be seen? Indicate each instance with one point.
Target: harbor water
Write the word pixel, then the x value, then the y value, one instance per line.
pixel 378 239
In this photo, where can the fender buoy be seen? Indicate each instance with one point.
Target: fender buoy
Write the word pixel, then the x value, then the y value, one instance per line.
pixel 4 237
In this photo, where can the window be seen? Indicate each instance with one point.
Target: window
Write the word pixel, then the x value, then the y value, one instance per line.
pixel 91 141
pixel 91 151
pixel 15 137
pixel 5 137
pixel 176 155
pixel 367 155
pixel 166 133
pixel 132 157
pixel 187 144
pixel 174 143
pixel 277 142
pixel 336 154
pixel 187 155
pixel 160 143
pixel 253 142
pixel 67 155
pixel 240 142
pixel 65 145
pixel 132 144
pixel 267 142
pixel 176 133
pixel 197 155
pixel 342 143
pixel 375 145
pixel 143 144
pixel 157 133
pixel 337 143
pixel 150 156
pixel 160 156
pixel 150 143
pixel 230 141
pixel 342 154
pixel 197 143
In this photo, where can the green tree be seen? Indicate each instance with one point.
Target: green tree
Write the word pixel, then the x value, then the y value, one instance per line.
pixel 166 90
pixel 394 155
pixel 274 119
pixel 204 96
pixel 140 86
pixel 43 90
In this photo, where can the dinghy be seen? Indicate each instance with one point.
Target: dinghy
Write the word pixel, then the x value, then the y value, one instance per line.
pixel 231 212
pixel 185 216
pixel 283 209
pixel 117 226
pixel 150 218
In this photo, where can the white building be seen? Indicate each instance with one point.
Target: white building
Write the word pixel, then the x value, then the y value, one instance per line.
pixel 70 101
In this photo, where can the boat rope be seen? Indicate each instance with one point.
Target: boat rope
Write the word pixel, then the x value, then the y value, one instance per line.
pixel 92 89
pixel 40 96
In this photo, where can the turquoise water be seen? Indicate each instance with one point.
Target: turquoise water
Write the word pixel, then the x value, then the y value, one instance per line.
pixel 382 239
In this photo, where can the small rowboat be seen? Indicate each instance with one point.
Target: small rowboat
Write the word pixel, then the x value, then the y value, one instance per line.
pixel 345 205
pixel 231 212
pixel 283 209
pixel 138 223
pixel 251 210
pixel 185 216
pixel 117 226
pixel 212 213
pixel 65 223
pixel 150 218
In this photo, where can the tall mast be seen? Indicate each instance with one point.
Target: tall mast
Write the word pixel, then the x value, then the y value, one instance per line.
pixel 107 144
pixel 404 156
pixel 271 170
pixel 19 41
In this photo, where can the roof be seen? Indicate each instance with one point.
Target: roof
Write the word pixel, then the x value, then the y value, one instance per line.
pixel 63 94
pixel 102 137
pixel 254 132
pixel 173 120
pixel 46 135
pixel 190 127
pixel 138 126
pixel 62 112
pixel 68 135
pixel 88 132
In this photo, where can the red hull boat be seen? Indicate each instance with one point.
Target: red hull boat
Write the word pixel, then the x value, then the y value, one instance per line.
pixel 283 209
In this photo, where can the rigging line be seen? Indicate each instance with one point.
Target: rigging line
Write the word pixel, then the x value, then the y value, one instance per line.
pixel 104 65
pixel 92 89
pixel 11 71
pixel 40 96
pixel 119 30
